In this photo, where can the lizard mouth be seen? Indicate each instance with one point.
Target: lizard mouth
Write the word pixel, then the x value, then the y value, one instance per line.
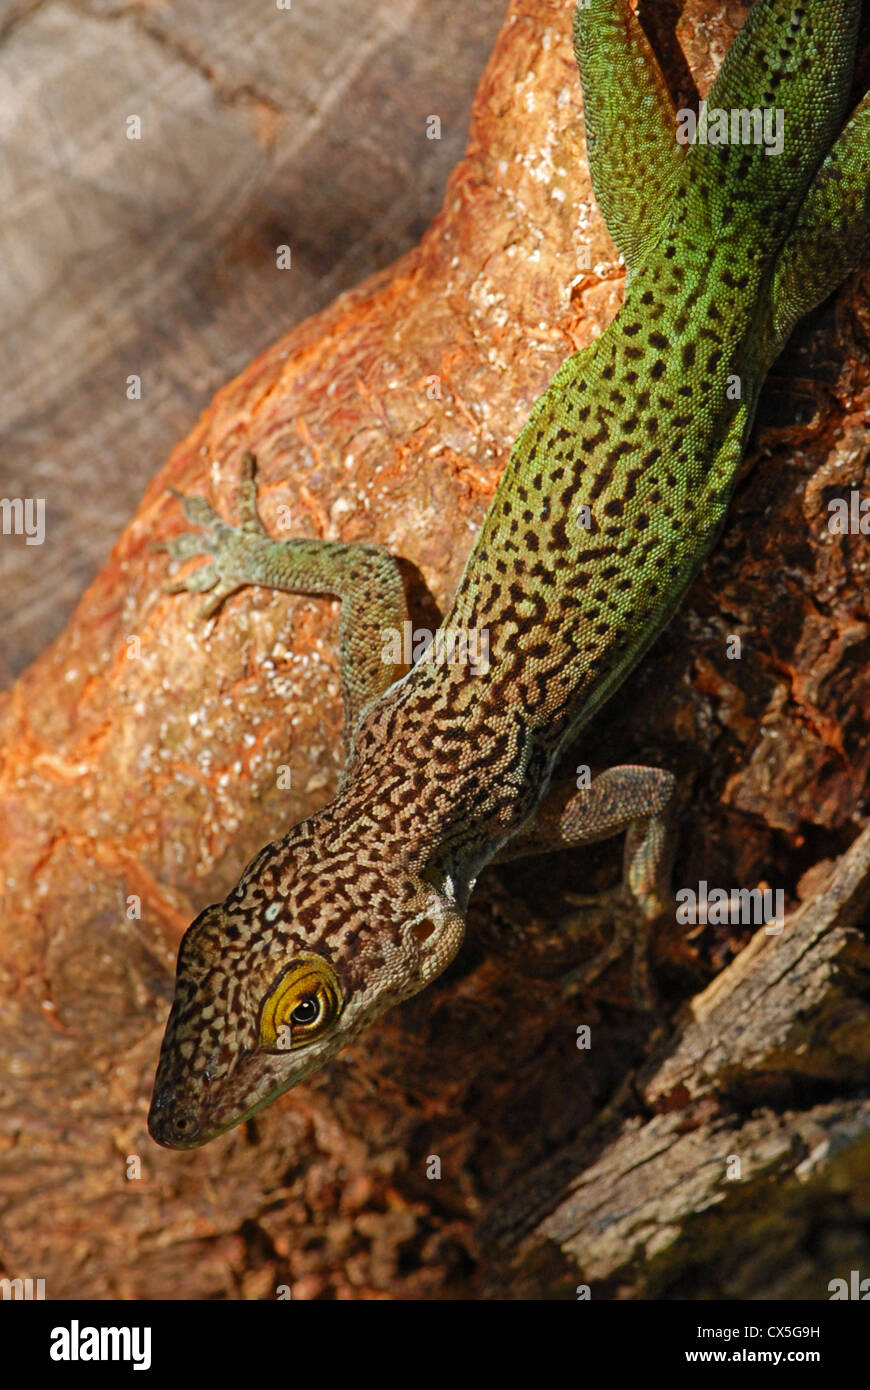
pixel 175 1123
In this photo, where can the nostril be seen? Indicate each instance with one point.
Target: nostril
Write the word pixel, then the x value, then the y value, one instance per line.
pixel 170 1128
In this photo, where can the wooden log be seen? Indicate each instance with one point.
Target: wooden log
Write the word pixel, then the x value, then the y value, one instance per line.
pixel 727 1185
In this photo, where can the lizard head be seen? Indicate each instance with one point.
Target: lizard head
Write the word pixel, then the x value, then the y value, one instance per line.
pixel 312 946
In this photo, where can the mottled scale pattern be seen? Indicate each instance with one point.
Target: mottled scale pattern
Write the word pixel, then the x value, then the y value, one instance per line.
pixel 613 496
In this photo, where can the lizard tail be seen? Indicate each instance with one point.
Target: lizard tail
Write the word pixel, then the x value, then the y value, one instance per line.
pixel 831 233
pixel 770 119
pixel 748 158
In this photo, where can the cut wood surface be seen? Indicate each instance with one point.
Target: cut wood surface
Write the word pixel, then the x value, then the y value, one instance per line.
pixel 138 773
pixel 259 127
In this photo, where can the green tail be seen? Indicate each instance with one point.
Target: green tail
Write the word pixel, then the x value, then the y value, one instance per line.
pixel 793 62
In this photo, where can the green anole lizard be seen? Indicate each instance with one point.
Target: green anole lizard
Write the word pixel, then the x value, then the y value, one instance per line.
pixel 614 494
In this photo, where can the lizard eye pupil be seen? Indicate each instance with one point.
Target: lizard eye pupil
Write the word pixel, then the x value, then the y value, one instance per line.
pixel 305 1000
pixel 306 1010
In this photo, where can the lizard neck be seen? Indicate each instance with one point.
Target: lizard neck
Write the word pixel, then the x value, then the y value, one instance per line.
pixel 439 779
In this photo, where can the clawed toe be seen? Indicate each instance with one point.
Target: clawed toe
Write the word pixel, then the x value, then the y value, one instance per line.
pixel 187 545
pixel 211 605
pixel 197 509
pixel 199 582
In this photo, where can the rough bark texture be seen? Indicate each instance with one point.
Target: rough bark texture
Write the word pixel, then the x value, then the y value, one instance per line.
pixel 150 769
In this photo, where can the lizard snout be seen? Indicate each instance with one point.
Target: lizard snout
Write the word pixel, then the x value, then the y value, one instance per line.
pixel 169 1124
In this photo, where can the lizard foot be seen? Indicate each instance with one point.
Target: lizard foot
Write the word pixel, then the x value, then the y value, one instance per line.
pixel 230 546
pixel 617 913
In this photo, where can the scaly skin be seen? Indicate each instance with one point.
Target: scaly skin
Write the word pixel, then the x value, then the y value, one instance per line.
pixel 363 904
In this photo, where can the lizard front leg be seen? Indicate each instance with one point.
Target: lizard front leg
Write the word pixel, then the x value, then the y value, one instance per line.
pixel 639 801
pixel 365 578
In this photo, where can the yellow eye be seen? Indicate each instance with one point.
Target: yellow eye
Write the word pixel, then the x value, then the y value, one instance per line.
pixel 305 1001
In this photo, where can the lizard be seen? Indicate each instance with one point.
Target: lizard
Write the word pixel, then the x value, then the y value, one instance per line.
pixel 614 494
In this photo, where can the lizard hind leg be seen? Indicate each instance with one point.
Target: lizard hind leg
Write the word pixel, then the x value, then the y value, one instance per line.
pixel 619 73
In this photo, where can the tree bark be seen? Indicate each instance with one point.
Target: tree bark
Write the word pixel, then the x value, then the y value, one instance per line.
pixel 720 1150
